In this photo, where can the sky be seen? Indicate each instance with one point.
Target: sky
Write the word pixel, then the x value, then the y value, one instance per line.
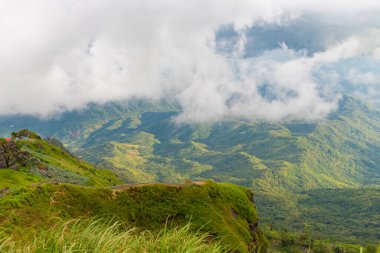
pixel 257 60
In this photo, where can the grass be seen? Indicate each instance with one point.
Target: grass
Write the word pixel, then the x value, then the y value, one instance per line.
pixel 97 236
pixel 223 210
pixel 55 157
pixel 54 164
pixel 301 242
pixel 13 178
pixel 64 187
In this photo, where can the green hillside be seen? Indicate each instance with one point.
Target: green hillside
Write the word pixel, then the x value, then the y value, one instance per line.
pixel 42 185
pixel 281 162
pixel 224 211
pixel 34 161
pixel 358 210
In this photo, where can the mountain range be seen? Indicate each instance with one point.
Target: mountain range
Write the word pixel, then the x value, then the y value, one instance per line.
pixel 321 176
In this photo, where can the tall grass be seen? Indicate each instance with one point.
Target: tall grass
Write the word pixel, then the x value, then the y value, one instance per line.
pixel 99 237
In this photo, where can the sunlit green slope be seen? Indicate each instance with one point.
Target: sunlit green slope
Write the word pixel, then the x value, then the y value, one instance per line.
pixel 280 161
pixel 224 211
pixel 42 184
pixel 33 160
pixel 340 151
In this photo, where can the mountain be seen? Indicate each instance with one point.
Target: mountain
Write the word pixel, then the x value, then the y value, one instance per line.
pixel 28 159
pixel 289 165
pixel 40 184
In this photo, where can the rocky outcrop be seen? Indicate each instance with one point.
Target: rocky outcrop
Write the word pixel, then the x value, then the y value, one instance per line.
pixel 12 157
pixel 25 134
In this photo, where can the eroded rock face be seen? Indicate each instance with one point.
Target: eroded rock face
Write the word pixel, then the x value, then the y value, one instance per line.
pixel 12 157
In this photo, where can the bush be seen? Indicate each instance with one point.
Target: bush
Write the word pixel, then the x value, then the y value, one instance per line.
pixel 371 248
pixel 322 247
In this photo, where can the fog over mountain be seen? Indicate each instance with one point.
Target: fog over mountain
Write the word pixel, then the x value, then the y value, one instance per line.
pixel 267 60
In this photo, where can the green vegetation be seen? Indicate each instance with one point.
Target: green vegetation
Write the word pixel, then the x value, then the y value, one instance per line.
pixel 38 161
pixel 224 211
pixel 100 237
pixel 300 242
pixel 355 213
pixel 10 178
pixel 288 165
pixel 25 133
pixel 43 184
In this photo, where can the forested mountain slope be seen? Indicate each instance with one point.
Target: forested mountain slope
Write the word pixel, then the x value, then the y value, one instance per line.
pixel 281 161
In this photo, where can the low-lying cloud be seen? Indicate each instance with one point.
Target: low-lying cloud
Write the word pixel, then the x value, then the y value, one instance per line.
pixel 61 55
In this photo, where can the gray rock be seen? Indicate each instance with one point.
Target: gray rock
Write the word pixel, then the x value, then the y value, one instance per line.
pixel 3 162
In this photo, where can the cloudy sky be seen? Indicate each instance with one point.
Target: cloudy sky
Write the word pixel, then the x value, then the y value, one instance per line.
pixel 254 59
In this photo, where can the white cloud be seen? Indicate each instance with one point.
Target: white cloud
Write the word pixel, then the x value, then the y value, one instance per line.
pixel 366 78
pixel 61 55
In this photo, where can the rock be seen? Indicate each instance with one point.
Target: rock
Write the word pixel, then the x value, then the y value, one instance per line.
pixel 34 160
pixel 21 156
pixel 14 166
pixel 3 162
pixel 12 157
pixel 3 191
pixel 234 213
pixel 11 160
pixel 253 227
pixel 12 145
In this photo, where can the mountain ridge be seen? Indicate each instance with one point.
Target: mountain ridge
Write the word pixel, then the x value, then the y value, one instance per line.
pixel 47 184
pixel 276 160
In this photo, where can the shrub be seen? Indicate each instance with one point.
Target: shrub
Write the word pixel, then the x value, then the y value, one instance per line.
pixel 322 247
pixel 371 248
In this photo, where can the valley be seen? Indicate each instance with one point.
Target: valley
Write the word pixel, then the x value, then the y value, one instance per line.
pixel 290 166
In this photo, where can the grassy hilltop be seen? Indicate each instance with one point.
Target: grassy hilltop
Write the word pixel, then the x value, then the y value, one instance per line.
pixel 33 160
pixel 48 186
pixel 224 211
